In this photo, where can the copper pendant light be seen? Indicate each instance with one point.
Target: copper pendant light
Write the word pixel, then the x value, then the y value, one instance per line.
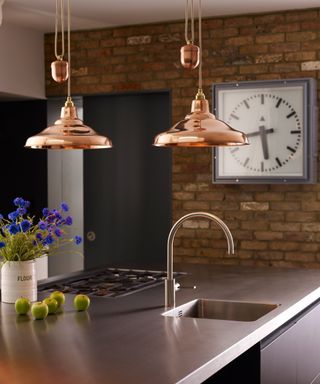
pixel 200 128
pixel 68 132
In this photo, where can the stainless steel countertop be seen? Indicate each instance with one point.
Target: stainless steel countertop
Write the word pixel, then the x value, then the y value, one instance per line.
pixel 122 340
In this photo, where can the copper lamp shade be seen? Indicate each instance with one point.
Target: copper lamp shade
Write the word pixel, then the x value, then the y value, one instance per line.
pixel 200 128
pixel 68 132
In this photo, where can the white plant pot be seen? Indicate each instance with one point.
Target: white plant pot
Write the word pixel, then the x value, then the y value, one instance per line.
pixel 18 279
pixel 42 267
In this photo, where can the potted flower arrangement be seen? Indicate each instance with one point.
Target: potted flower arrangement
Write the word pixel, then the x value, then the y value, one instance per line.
pixel 23 239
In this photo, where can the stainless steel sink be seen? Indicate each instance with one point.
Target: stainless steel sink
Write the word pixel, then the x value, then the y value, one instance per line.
pixel 221 310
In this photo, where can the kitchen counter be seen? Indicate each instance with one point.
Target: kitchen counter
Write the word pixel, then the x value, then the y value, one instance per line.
pixel 127 340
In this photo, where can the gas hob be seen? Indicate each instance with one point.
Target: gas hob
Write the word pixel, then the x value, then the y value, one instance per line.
pixel 106 282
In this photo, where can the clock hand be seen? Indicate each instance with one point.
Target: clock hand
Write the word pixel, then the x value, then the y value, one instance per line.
pixel 264 141
pixel 258 133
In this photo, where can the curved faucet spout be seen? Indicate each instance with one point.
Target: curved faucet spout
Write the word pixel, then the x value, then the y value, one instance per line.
pixel 170 281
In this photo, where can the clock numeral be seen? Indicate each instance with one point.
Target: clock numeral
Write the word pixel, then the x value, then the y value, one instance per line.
pixel 246 162
pixel 278 161
pixel 262 166
pixel 295 132
pixel 262 99
pixel 233 150
pixel 246 104
pixel 262 119
pixel 291 114
pixel 234 116
pixel 291 149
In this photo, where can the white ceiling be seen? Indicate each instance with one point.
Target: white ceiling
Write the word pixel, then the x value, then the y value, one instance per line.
pixel 90 14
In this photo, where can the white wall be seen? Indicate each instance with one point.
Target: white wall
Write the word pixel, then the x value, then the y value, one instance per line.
pixel 21 61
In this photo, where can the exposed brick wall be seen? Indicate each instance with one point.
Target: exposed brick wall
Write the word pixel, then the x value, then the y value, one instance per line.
pixel 274 225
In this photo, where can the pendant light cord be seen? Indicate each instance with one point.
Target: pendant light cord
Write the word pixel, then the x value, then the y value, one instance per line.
pixel 69 55
pixel 59 18
pixel 200 44
pixel 189 7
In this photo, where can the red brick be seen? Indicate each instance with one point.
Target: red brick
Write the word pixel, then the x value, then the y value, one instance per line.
pixel 259 68
pixel 286 47
pixel 276 18
pixel 273 38
pixel 240 40
pixel 269 58
pixel 284 246
pixel 254 245
pixel 238 21
pixel 269 196
pixel 292 27
pixel 285 227
pixel 299 256
pixel 257 48
pixel 210 196
pixel 268 235
pixel 301 15
pixel 300 56
pixel 254 206
pixel 301 36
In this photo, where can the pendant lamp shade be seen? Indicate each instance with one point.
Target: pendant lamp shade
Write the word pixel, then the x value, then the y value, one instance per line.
pixel 200 128
pixel 68 132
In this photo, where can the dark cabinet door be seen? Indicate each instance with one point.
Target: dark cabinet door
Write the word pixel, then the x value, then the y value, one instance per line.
pixel 279 359
pixel 127 189
pixel 308 355
pixel 294 354
pixel 23 171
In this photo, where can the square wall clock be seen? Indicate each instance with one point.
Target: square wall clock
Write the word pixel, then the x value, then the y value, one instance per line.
pixel 279 118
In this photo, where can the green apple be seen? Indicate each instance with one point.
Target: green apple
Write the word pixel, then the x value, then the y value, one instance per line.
pixel 39 310
pixel 59 296
pixel 52 304
pixel 81 302
pixel 22 306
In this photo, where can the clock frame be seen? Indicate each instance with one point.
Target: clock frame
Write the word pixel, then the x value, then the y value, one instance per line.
pixel 280 120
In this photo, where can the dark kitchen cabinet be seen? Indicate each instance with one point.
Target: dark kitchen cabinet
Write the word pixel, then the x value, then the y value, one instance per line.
pixel 23 171
pixel 243 369
pixel 292 354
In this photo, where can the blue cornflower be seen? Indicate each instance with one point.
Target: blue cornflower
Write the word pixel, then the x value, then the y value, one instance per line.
pixel 77 239
pixel 48 240
pixel 45 212
pixel 42 225
pixel 64 206
pixel 1 217
pixel 18 201
pixel 13 215
pixel 13 229
pixel 25 225
pixel 2 244
pixel 51 217
pixel 27 203
pixel 21 211
pixel 57 214
pixel 58 232
pixel 68 220
pixel 39 236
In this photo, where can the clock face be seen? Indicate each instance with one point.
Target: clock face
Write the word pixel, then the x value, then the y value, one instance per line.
pixel 275 131
pixel 272 119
